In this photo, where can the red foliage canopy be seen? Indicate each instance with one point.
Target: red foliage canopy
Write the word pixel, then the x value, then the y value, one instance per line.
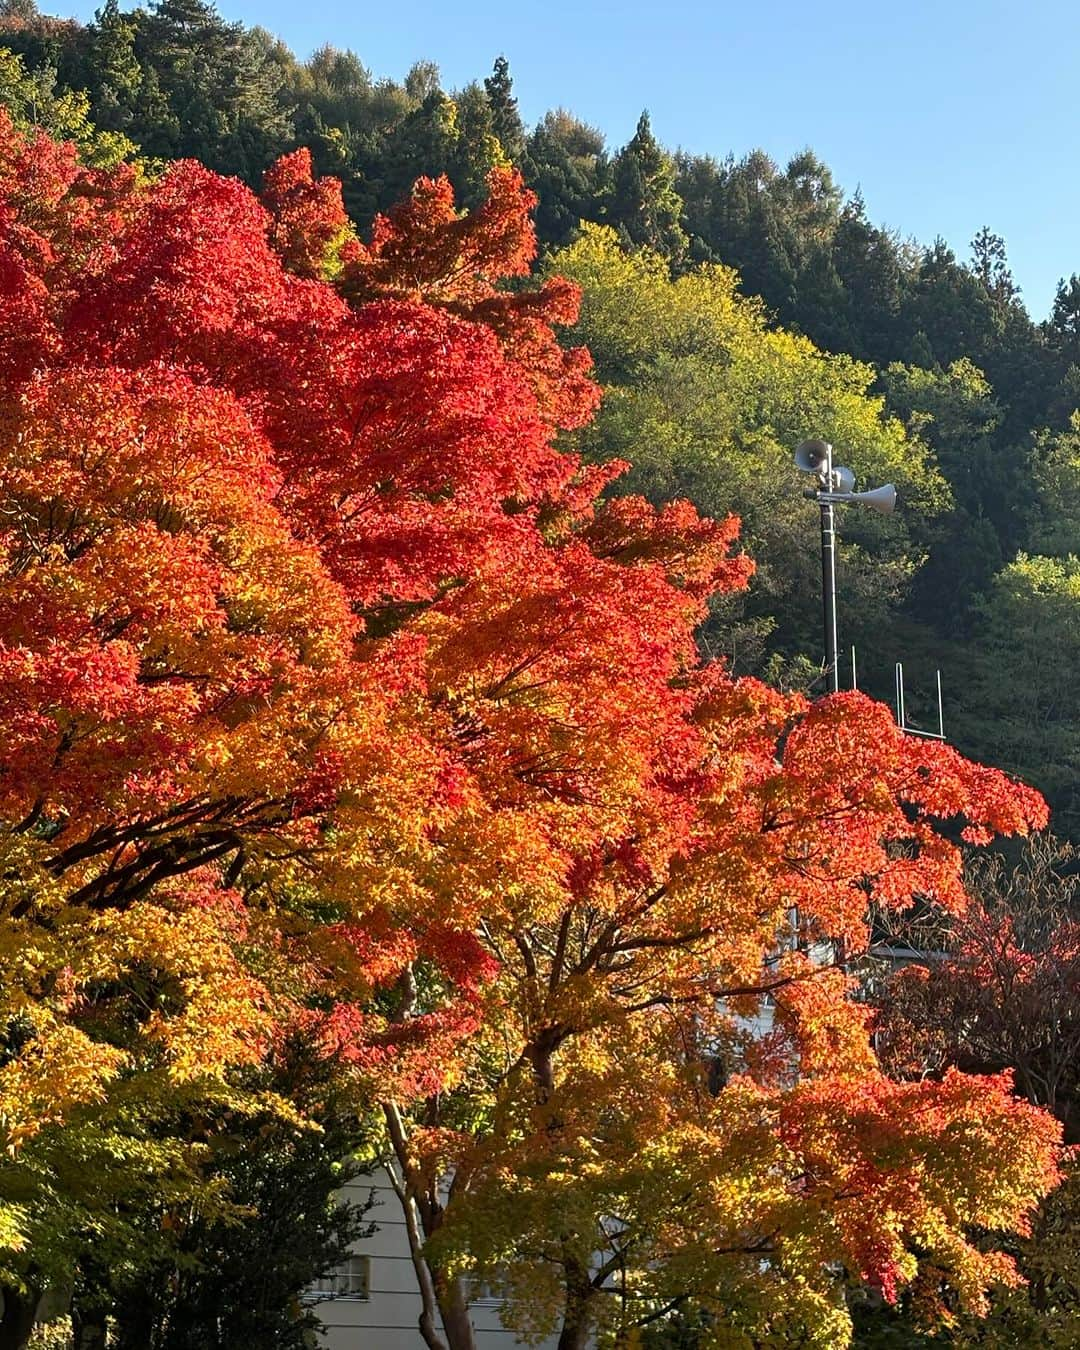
pixel 298 588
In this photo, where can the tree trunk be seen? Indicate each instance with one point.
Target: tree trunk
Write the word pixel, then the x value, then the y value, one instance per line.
pixel 541 1056
pixel 455 1313
pixel 577 1319
pixel 574 1337
pixel 439 1295
pixel 135 1324
pixel 17 1321
pixel 429 1299
pixel 92 1302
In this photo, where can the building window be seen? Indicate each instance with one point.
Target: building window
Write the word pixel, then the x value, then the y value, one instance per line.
pixel 352 1279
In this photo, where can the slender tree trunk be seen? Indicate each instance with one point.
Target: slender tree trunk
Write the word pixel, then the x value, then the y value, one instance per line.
pixel 440 1296
pixel 577 1318
pixel 17 1320
pixel 429 1302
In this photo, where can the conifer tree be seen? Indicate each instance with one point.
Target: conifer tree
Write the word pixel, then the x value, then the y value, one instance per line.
pixel 505 118
pixel 645 207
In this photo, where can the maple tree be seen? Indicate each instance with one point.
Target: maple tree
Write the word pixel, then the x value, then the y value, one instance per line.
pixel 998 987
pixel 339 702
pixel 1002 988
pixel 630 961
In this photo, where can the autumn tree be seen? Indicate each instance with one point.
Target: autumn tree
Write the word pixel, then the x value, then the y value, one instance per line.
pixel 622 915
pixel 341 704
pixel 1000 989
pixel 185 691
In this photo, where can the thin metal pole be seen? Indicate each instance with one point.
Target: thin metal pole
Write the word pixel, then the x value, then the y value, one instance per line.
pixel 828 596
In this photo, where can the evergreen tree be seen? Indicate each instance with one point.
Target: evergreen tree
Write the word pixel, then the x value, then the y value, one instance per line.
pixel 240 1282
pixel 477 149
pixel 564 164
pixel 505 118
pixel 991 266
pixel 1063 329
pixel 950 305
pixel 422 81
pixel 219 84
pixel 423 144
pixel 868 262
pixel 645 207
pixel 115 75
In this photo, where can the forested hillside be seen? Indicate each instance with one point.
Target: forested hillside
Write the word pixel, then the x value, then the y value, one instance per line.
pixel 732 307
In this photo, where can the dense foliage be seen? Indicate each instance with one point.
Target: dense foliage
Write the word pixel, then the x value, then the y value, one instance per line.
pixel 343 709
pixel 1000 989
pixel 355 639
pixel 946 341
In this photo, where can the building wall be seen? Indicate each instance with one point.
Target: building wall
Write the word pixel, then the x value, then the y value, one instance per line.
pixel 388 1318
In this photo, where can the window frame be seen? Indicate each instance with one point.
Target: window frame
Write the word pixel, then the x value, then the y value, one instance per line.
pixel 354 1271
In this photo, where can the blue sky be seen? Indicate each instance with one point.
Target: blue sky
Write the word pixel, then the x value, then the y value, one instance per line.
pixel 949 115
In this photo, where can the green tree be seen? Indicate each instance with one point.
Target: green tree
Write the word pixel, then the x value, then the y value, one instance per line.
pixel 991 265
pixel 505 119
pixel 955 412
pixel 424 143
pixel 564 163
pixel 115 75
pixel 1062 336
pixel 950 307
pixel 477 149
pixel 209 90
pixel 644 206
pixel 1023 712
pixel 237 1282
pixel 1063 328
pixel 1055 471
pixel 707 401
pixel 870 264
pixel 35 100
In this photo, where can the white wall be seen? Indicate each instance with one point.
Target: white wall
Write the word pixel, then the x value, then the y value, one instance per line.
pixel 388 1319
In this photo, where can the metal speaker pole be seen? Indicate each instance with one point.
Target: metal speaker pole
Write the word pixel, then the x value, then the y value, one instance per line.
pixel 828 596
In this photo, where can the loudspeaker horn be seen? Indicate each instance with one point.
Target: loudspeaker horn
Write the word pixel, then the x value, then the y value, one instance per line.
pixel 881 499
pixel 810 456
pixel 843 480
